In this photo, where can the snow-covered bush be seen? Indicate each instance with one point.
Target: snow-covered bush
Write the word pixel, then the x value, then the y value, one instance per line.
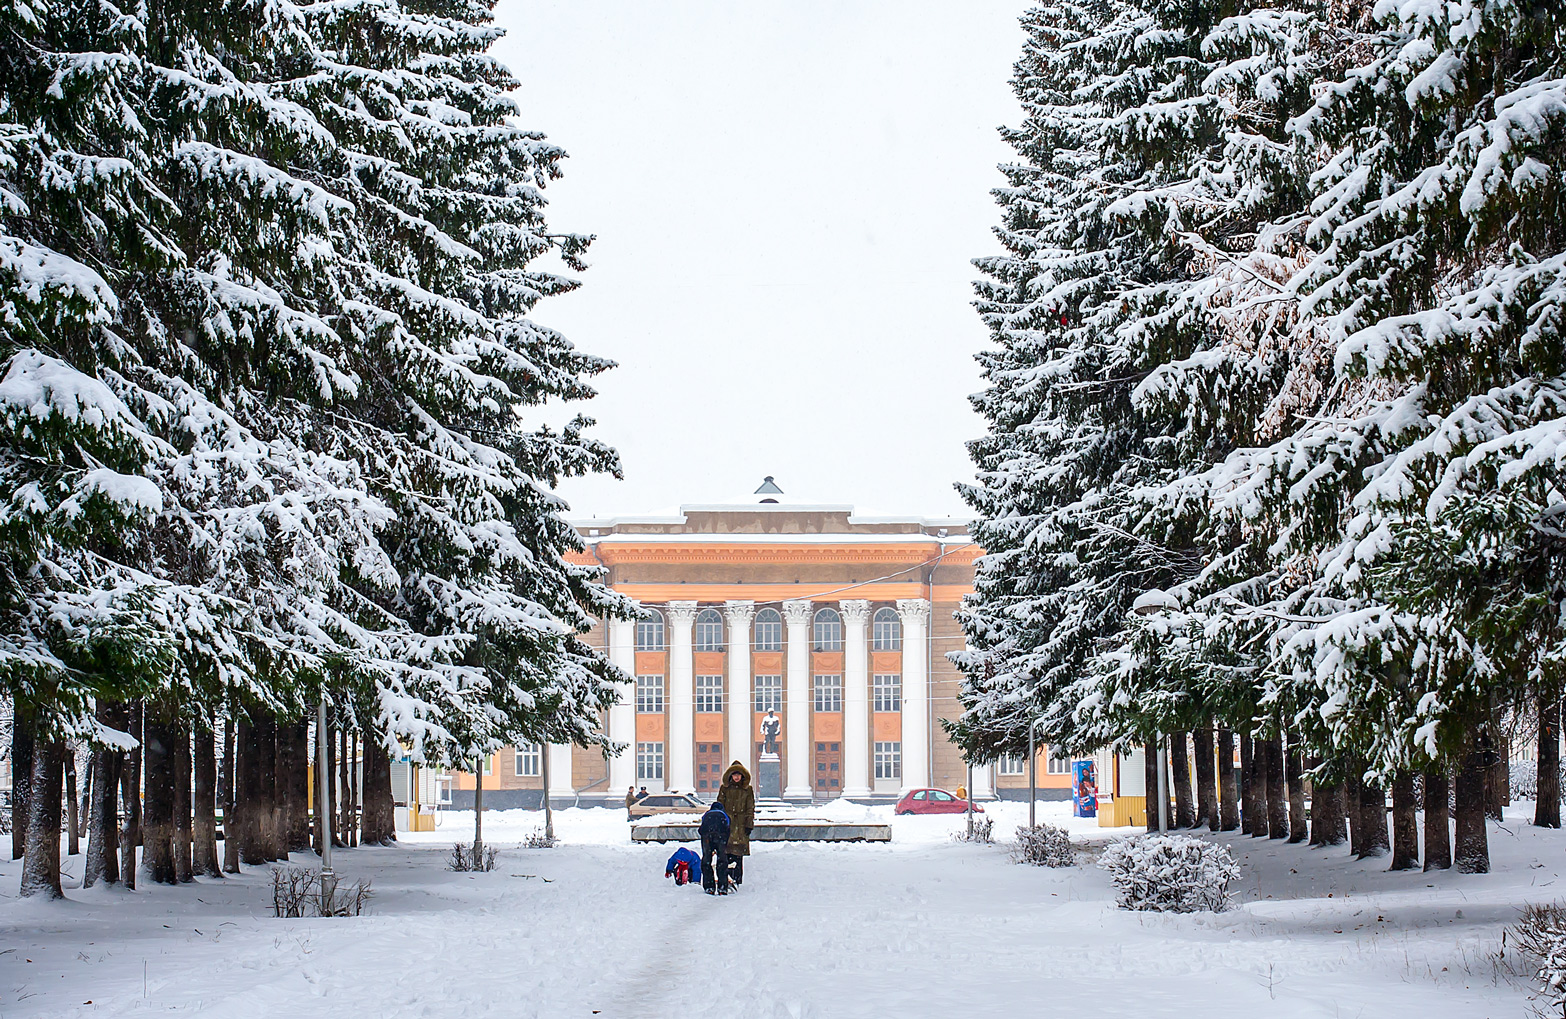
pixel 539 839
pixel 983 830
pixel 1541 933
pixel 463 858
pixel 1524 780
pixel 1043 845
pixel 1171 873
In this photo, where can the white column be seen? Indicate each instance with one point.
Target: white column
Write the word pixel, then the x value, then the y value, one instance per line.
pixel 798 615
pixel 916 692
pixel 856 698
pixel 560 770
pixel 983 782
pixel 622 715
pixel 679 753
pixel 741 742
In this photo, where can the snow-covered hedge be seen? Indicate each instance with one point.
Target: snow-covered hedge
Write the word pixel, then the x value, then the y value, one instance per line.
pixel 1542 934
pixel 1171 873
pixel 1043 845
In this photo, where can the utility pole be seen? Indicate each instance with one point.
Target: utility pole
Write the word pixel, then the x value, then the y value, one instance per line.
pixel 969 790
pixel 1033 775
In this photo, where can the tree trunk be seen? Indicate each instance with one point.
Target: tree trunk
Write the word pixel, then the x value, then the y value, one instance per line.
pixel 1498 769
pixel 21 774
pixel 1352 793
pixel 354 819
pixel 1547 806
pixel 1247 785
pixel 1373 819
pixel 283 769
pixel 72 826
pixel 1405 824
pixel 228 794
pixel 41 853
pixel 1277 794
pixel 203 795
pixel 299 786
pixel 246 828
pixel 130 796
pixel 1228 788
pixel 331 780
pixel 183 861
pixel 1180 764
pixel 1329 824
pixel 1438 831
pixel 380 813
pixel 1294 775
pixel 345 788
pixel 103 816
pixel 1472 848
pixel 1150 780
pixel 268 812
pixel 1206 794
pixel 157 833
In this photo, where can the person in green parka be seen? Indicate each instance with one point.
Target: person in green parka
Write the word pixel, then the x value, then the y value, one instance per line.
pixel 738 800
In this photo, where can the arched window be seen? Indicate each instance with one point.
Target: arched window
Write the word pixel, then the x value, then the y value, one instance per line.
pixel 709 630
pixel 887 632
pixel 649 632
pixel 829 630
pixel 769 630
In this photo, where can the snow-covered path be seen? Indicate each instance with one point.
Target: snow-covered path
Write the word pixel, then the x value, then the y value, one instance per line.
pixel 922 927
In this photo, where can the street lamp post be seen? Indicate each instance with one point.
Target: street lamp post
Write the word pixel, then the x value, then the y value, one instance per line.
pixel 1163 785
pixel 1033 775
pixel 323 809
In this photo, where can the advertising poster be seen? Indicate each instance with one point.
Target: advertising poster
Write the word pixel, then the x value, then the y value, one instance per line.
pixel 1084 788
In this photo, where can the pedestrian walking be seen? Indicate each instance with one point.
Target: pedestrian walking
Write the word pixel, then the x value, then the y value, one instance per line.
pixel 738 800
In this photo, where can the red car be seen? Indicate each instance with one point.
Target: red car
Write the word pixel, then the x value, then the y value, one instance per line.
pixel 933 801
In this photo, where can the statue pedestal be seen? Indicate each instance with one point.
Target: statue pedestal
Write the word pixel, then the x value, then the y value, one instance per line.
pixel 769 777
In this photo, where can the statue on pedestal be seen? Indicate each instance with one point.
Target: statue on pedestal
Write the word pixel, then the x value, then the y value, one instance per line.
pixel 770 727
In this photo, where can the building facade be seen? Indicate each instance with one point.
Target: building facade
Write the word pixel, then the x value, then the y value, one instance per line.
pixel 838 624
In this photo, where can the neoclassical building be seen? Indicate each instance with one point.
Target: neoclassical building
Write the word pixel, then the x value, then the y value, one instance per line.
pixel 836 622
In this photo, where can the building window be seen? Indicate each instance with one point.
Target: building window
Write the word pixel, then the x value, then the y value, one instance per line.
pixel 709 630
pixel 709 693
pixel 1010 764
pixel 887 631
pixel 769 693
pixel 829 630
pixel 888 760
pixel 649 695
pixel 888 692
pixel 488 764
pixel 649 632
pixel 1058 765
pixel 769 630
pixel 829 693
pixel 649 762
pixel 528 760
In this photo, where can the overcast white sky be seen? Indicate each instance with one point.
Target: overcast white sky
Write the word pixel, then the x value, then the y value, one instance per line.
pixel 786 198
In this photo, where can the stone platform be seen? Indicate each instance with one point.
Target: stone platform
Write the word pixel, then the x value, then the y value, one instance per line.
pixel 793 829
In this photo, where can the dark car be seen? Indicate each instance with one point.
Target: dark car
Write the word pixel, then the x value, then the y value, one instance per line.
pixel 933 801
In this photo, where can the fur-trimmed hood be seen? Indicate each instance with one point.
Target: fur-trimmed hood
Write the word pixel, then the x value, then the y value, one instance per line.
pixel 736 766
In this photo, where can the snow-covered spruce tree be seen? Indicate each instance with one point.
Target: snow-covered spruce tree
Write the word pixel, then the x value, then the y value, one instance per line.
pixel 436 285
pixel 1131 359
pixel 1059 381
pixel 1439 284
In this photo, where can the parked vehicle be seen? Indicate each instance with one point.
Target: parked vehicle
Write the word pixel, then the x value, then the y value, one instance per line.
pixel 666 803
pixel 933 801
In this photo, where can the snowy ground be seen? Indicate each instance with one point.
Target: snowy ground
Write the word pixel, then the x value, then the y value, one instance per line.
pixel 921 927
